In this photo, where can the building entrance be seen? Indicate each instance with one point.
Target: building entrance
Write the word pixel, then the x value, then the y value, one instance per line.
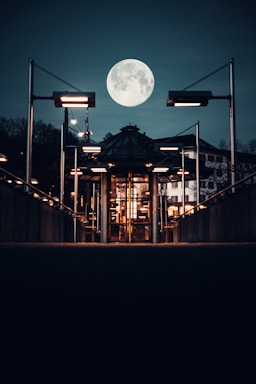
pixel 129 208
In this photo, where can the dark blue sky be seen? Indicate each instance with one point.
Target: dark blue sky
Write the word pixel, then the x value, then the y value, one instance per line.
pixel 181 42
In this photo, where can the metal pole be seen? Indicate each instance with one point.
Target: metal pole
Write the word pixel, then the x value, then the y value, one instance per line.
pixel 93 210
pixel 129 207
pixel 161 212
pixel 155 214
pixel 97 211
pixel 183 182
pixel 30 124
pixel 165 213
pixel 197 166
pixel 232 124
pixel 103 209
pixel 62 166
pixel 63 144
pixel 75 194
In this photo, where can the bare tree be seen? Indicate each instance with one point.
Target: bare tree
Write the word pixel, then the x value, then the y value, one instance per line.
pixel 252 146
pixel 223 144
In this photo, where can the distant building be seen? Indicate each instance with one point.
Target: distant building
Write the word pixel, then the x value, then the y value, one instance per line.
pixel 218 163
pixel 131 191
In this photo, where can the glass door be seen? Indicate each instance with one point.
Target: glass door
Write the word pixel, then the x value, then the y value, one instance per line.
pixel 130 209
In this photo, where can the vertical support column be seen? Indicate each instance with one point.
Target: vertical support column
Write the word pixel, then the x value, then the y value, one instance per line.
pixel 75 196
pixel 197 166
pixel 154 208
pixel 129 215
pixel 62 165
pixel 93 212
pixel 97 211
pixel 30 124
pixel 183 181
pixel 232 124
pixel 104 208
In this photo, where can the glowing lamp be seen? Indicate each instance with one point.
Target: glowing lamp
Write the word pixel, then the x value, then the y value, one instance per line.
pixel 74 99
pixel 99 169
pixel 188 98
pixel 160 169
pixel 180 172
pixel 91 148
pixel 77 171
pixel 3 158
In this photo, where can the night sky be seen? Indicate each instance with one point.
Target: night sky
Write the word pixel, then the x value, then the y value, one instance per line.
pixel 180 41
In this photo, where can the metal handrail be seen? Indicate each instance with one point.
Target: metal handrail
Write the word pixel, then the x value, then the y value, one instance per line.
pixel 55 204
pixel 196 208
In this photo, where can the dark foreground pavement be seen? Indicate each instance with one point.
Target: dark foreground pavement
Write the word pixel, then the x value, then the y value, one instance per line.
pixel 190 306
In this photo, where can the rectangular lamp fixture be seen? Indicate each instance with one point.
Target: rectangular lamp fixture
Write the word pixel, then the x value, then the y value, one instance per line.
pixel 168 147
pixel 99 169
pixel 74 99
pixel 91 148
pixel 74 105
pixel 160 169
pixel 188 98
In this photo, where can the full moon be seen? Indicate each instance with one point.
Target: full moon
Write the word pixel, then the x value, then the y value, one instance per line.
pixel 130 82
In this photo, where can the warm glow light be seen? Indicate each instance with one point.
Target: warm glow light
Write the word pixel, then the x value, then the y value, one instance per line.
pixel 91 148
pixel 188 98
pixel 169 148
pixel 187 104
pixel 74 99
pixel 72 105
pixel 160 169
pixel 180 171
pixel 77 171
pixel 98 169
pixel 3 158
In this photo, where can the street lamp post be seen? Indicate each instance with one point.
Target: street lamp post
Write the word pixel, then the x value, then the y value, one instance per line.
pixel 63 143
pixel 30 123
pixel 75 172
pixel 31 98
pixel 62 99
pixel 197 166
pixel 62 165
pixel 197 147
pixel 183 181
pixel 69 100
pixel 200 98
pixel 75 194
pixel 183 173
pixel 180 147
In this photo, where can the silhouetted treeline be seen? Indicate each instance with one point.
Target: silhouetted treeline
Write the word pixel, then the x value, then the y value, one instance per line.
pixel 250 147
pixel 45 149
